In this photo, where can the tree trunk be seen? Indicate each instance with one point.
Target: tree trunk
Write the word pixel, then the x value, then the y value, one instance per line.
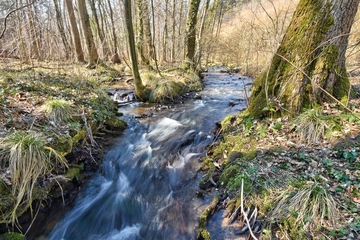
pixel 115 58
pixel 172 55
pixel 100 33
pixel 32 32
pixel 140 36
pixel 191 32
pixel 75 31
pixel 309 65
pixel 165 37
pixel 90 44
pixel 60 24
pixel 140 89
pixel 147 30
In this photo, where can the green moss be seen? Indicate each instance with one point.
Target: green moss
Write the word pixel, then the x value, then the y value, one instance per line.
pixel 202 232
pixel 12 236
pixel 207 164
pixel 285 79
pixel 228 173
pixel 74 172
pixel 64 145
pixel 79 136
pixel 115 123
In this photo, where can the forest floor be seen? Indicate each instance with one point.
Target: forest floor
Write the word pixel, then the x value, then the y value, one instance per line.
pixel 296 184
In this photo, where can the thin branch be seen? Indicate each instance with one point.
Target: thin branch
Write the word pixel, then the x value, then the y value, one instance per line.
pixel 12 11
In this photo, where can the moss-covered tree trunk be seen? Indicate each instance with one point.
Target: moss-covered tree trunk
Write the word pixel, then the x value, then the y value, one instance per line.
pixel 191 22
pixel 141 15
pixel 310 61
pixel 140 89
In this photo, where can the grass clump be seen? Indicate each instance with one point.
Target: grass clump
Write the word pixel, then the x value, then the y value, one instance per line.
pixel 27 157
pixel 313 124
pixel 309 206
pixel 168 90
pixel 58 110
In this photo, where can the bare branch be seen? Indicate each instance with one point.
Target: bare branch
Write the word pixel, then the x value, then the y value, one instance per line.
pixel 12 11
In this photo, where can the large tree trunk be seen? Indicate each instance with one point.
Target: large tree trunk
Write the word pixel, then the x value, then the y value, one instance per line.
pixel 75 31
pixel 90 44
pixel 140 89
pixel 191 32
pixel 309 65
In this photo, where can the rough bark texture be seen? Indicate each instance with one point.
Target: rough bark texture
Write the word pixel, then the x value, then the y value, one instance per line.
pixel 85 24
pixel 309 60
pixel 140 33
pixel 140 89
pixel 75 31
pixel 191 31
pixel 60 25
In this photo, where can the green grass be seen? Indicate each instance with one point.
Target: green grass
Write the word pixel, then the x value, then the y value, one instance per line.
pixel 58 110
pixel 168 90
pixel 27 156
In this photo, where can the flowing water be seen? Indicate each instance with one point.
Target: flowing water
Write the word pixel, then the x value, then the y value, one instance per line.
pixel 149 178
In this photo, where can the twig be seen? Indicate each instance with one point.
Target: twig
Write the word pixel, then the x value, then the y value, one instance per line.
pixel 8 15
pixel 62 191
pixel 243 212
pixel 33 220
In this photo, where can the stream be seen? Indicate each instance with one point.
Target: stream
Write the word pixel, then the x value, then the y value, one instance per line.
pixel 147 185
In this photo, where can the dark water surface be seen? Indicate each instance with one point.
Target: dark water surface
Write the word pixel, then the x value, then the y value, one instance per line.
pixel 147 188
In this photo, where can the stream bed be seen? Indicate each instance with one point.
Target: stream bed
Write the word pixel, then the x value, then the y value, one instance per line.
pixel 148 183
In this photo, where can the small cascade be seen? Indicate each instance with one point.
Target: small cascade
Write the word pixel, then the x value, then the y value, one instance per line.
pixel 149 178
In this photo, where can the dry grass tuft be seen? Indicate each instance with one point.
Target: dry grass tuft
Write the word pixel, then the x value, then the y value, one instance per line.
pixel 312 125
pixel 310 205
pixel 27 158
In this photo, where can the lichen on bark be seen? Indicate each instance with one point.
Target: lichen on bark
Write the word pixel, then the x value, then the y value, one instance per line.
pixel 309 64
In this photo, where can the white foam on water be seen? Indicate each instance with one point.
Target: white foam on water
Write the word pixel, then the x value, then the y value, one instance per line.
pixel 128 233
pixel 164 129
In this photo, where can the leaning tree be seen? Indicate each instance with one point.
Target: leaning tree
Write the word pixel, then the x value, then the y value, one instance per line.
pixel 309 65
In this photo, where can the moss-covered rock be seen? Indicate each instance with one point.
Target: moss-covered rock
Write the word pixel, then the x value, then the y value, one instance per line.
pixel 12 236
pixel 202 232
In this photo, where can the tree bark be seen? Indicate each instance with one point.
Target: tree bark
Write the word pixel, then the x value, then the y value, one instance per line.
pixel 60 25
pixel 140 33
pixel 100 33
pixel 90 44
pixel 140 89
pixel 309 64
pixel 115 58
pixel 191 32
pixel 75 31
pixel 165 36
